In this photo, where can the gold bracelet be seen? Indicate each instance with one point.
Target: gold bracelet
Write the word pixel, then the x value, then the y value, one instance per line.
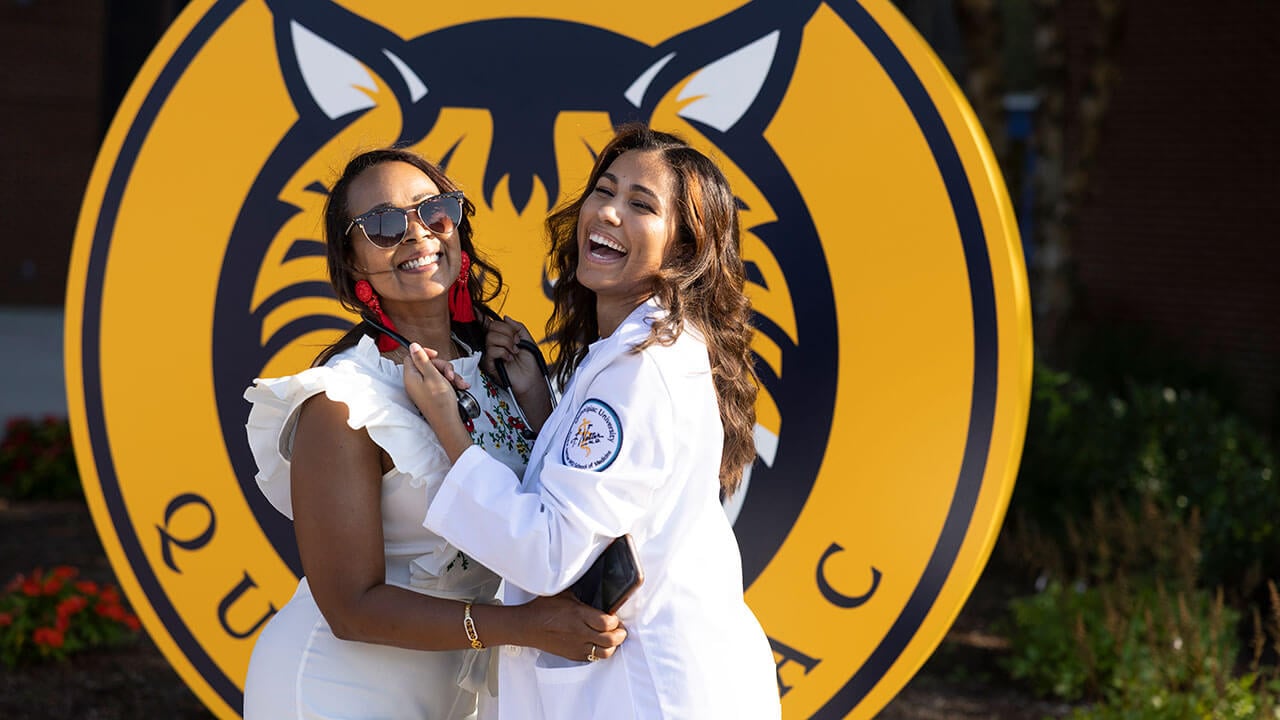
pixel 469 626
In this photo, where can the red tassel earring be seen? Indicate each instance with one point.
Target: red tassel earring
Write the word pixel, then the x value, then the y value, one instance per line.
pixel 366 295
pixel 460 308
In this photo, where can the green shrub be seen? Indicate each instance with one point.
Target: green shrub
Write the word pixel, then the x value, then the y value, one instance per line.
pixel 1123 620
pixel 37 461
pixel 1060 641
pixel 1137 653
pixel 1113 543
pixel 1178 653
pixel 1128 506
pixel 1196 456
pixel 1178 448
pixel 1100 590
pixel 1076 449
pixel 1081 640
pixel 1244 698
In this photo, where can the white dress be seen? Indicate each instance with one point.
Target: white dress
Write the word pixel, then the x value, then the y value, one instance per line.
pixel 298 668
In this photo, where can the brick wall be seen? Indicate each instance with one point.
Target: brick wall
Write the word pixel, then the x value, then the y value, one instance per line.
pixel 50 89
pixel 1180 233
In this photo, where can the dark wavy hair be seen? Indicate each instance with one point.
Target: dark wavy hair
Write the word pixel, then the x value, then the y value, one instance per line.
pixel 701 282
pixel 484 281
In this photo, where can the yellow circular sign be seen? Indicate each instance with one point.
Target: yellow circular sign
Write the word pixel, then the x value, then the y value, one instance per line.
pixel 893 328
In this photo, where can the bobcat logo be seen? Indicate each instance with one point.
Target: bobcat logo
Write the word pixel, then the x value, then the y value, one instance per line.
pixel 355 82
pixel 893 332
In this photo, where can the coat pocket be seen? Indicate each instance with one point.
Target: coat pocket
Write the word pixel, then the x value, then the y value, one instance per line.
pixel 584 690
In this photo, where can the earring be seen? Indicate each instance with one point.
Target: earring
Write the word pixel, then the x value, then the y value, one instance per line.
pixel 366 295
pixel 460 307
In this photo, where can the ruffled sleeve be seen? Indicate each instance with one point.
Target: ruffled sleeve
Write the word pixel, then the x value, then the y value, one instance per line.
pixel 372 389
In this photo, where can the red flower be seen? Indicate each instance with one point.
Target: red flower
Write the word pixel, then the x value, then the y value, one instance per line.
pixel 53 585
pixel 51 637
pixel 88 587
pixel 15 583
pixel 31 587
pixel 110 594
pixel 111 611
pixel 66 572
pixel 5 619
pixel 72 605
pixel 131 622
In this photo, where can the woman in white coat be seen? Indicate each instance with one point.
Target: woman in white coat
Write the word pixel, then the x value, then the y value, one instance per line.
pixel 655 422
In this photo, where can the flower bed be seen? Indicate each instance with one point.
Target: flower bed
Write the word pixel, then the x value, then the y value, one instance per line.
pixel 49 615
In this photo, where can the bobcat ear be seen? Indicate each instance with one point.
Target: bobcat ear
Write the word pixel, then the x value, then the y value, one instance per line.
pixel 337 82
pixel 332 58
pixel 724 90
pixel 733 68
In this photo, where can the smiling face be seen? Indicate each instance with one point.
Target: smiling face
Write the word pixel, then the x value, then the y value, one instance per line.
pixel 418 271
pixel 626 227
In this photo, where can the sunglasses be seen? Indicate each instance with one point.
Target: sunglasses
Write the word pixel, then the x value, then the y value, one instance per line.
pixel 388 227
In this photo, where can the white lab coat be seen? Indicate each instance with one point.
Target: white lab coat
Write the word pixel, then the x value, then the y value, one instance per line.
pixel 694 648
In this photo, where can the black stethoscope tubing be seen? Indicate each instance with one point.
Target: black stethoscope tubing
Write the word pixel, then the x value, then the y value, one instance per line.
pixel 501 366
pixel 468 407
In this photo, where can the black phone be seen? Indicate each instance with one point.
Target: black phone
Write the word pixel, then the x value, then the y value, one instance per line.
pixel 612 578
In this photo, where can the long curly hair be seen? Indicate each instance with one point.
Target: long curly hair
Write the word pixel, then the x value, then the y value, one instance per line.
pixel 484 281
pixel 701 283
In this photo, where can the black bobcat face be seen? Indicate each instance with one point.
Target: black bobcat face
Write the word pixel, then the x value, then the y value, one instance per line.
pixel 515 110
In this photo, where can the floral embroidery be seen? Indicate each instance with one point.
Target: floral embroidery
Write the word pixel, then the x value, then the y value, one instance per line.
pixel 504 426
pixel 466 562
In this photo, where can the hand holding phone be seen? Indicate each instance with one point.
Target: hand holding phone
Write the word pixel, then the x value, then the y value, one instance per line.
pixel 612 578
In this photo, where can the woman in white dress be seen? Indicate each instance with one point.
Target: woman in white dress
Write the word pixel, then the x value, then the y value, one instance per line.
pixel 390 620
pixel 653 340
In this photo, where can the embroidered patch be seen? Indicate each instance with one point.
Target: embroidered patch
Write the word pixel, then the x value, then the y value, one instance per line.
pixel 595 438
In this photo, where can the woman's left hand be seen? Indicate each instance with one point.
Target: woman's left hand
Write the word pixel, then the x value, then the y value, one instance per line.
pixel 523 368
pixel 429 386
pixel 561 625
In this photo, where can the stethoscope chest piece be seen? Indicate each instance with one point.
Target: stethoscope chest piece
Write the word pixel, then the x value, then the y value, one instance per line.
pixel 468 406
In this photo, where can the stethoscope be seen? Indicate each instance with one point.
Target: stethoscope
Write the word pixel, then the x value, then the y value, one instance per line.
pixel 501 366
pixel 468 406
